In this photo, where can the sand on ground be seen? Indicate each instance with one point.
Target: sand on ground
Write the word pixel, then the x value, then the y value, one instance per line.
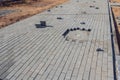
pixel 26 10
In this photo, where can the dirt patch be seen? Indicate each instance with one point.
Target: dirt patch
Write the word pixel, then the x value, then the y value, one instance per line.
pixel 26 10
pixel 115 1
pixel 116 11
pixel 116 18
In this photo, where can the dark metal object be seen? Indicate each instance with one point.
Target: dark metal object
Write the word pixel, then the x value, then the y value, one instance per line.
pixel 84 12
pixel 71 29
pixel 49 10
pixel 97 8
pixel 66 32
pixel 99 49
pixel 43 23
pixel 59 18
pixel 83 29
pixel 78 28
pixel 89 30
pixel 75 29
pixel 82 23
pixel 92 6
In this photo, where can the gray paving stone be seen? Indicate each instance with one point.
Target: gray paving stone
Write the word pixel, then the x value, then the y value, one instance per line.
pixel 30 53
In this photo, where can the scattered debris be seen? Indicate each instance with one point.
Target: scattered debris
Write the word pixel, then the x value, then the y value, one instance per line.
pixel 73 40
pixel 97 8
pixel 49 10
pixel 67 39
pixel 92 6
pixel 118 17
pixel 61 6
pixel 84 12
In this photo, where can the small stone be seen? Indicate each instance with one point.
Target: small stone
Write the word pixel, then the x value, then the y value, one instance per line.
pixel 61 6
pixel 84 12
pixel 97 8
pixel 118 23
pixel 118 17
pixel 49 10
